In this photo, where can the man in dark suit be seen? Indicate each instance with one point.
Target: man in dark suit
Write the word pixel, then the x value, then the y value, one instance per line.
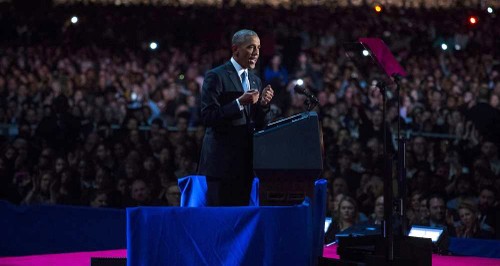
pixel 233 105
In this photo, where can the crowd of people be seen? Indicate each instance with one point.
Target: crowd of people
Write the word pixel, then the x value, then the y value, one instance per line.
pixel 104 121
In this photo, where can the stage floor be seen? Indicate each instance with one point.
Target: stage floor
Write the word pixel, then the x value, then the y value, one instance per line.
pixel 83 259
pixel 64 259
pixel 437 260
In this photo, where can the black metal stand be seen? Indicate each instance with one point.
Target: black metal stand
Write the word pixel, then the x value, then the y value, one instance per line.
pixel 393 247
pixel 387 223
pixel 401 158
pixel 390 248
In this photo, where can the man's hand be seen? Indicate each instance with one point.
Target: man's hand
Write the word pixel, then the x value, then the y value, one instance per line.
pixel 249 97
pixel 267 95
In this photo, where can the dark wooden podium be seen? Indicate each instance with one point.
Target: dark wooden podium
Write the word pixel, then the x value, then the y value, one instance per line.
pixel 287 158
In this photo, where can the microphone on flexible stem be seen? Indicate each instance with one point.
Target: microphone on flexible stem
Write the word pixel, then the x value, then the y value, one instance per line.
pixel 301 90
pixel 397 77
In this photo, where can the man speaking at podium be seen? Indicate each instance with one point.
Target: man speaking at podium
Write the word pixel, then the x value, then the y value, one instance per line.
pixel 233 105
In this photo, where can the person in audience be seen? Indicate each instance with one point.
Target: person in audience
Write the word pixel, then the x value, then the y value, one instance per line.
pixel 339 186
pixel 469 225
pixel 98 199
pixel 378 213
pixel 41 193
pixel 173 195
pixel 413 209
pixel 140 194
pixel 347 217
pixel 74 109
pixel 488 208
pixel 464 192
pixel 438 214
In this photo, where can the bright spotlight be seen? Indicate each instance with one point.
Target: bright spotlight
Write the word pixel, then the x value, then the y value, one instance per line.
pixel 366 53
pixel 300 82
pixel 74 19
pixel 489 9
pixel 378 8
pixel 457 47
pixel 473 20
pixel 153 45
pixel 444 46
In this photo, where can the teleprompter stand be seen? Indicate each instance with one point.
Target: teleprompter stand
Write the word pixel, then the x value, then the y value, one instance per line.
pixel 375 61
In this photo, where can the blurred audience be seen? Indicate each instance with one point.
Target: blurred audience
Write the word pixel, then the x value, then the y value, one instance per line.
pixel 89 115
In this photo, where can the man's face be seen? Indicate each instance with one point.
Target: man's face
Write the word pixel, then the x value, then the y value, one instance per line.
pixel 486 198
pixel 119 151
pixel 346 210
pixel 101 152
pixel 437 209
pixel 379 207
pixel 415 201
pixel 139 192
pixel 345 162
pixel 100 201
pixel 339 186
pixel 60 165
pixel 45 182
pixel 247 53
pixel 489 149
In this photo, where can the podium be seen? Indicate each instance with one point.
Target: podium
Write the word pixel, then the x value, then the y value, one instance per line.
pixel 287 158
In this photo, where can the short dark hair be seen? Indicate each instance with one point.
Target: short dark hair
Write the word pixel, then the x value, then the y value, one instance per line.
pixel 95 193
pixel 489 188
pixel 241 36
pixel 435 196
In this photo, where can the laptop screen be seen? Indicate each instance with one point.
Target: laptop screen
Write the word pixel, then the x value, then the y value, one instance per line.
pixel 426 232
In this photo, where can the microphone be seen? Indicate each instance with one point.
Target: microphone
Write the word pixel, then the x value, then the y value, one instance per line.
pixel 397 77
pixel 301 90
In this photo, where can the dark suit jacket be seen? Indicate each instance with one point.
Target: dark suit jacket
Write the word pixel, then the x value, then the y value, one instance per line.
pixel 227 145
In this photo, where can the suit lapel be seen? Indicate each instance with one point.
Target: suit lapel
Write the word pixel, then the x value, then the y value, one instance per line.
pixel 253 82
pixel 233 75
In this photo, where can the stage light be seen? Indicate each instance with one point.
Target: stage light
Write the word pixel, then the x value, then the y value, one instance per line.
pixel 458 47
pixel 300 82
pixel 490 10
pixel 378 8
pixel 366 53
pixel 181 76
pixel 444 46
pixel 473 20
pixel 74 19
pixel 153 45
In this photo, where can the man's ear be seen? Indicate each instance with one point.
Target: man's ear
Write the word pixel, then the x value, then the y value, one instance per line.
pixel 234 49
